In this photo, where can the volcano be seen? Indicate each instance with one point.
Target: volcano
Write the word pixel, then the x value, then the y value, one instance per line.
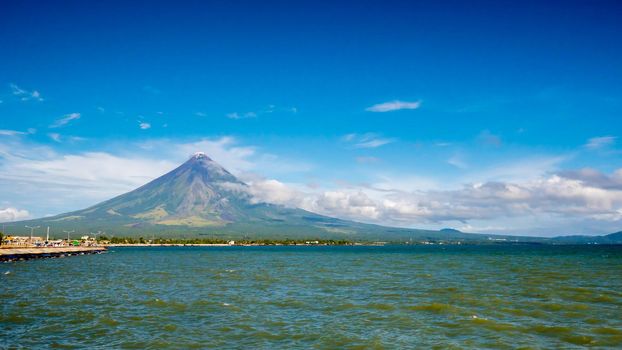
pixel 201 198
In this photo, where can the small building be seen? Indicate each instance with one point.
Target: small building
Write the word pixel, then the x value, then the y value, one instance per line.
pixel 22 240
pixel 56 243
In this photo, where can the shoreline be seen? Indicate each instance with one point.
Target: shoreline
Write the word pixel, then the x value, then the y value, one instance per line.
pixel 18 254
pixel 215 245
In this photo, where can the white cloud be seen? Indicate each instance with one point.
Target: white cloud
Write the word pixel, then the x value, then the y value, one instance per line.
pixel 393 106
pixel 236 115
pixel 17 90
pixel 13 214
pixel 600 142
pixel 373 143
pixel 274 108
pixel 144 125
pixel 367 140
pixel 268 110
pixel 65 120
pixel 25 95
pixel 4 132
pixel 534 198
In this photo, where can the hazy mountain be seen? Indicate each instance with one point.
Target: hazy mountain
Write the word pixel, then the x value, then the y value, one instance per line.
pixel 201 198
pixel 612 238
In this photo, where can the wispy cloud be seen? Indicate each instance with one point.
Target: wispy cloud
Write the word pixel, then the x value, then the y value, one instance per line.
pixel 274 109
pixel 600 142
pixel 457 161
pixel 54 136
pixel 236 115
pixel 373 143
pixel 200 114
pixel 144 125
pixel 25 95
pixel 4 132
pixel 367 140
pixel 393 106
pixel 57 137
pixel 66 119
pixel 268 110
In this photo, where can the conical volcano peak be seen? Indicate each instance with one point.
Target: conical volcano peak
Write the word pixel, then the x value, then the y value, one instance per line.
pixel 200 155
pixel 203 166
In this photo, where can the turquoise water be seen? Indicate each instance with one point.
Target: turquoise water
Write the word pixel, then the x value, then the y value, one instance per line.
pixel 317 297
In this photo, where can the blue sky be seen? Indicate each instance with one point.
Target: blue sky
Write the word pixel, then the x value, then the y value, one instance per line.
pixel 484 116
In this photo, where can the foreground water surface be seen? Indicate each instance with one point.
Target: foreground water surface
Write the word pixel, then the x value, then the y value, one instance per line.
pixel 317 297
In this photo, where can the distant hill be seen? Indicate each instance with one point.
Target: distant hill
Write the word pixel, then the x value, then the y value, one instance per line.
pixel 612 238
pixel 202 199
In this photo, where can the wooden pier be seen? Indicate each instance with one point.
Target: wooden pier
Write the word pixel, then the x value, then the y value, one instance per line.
pixel 14 254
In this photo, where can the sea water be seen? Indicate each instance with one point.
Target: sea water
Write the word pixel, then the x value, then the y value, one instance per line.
pixel 445 297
